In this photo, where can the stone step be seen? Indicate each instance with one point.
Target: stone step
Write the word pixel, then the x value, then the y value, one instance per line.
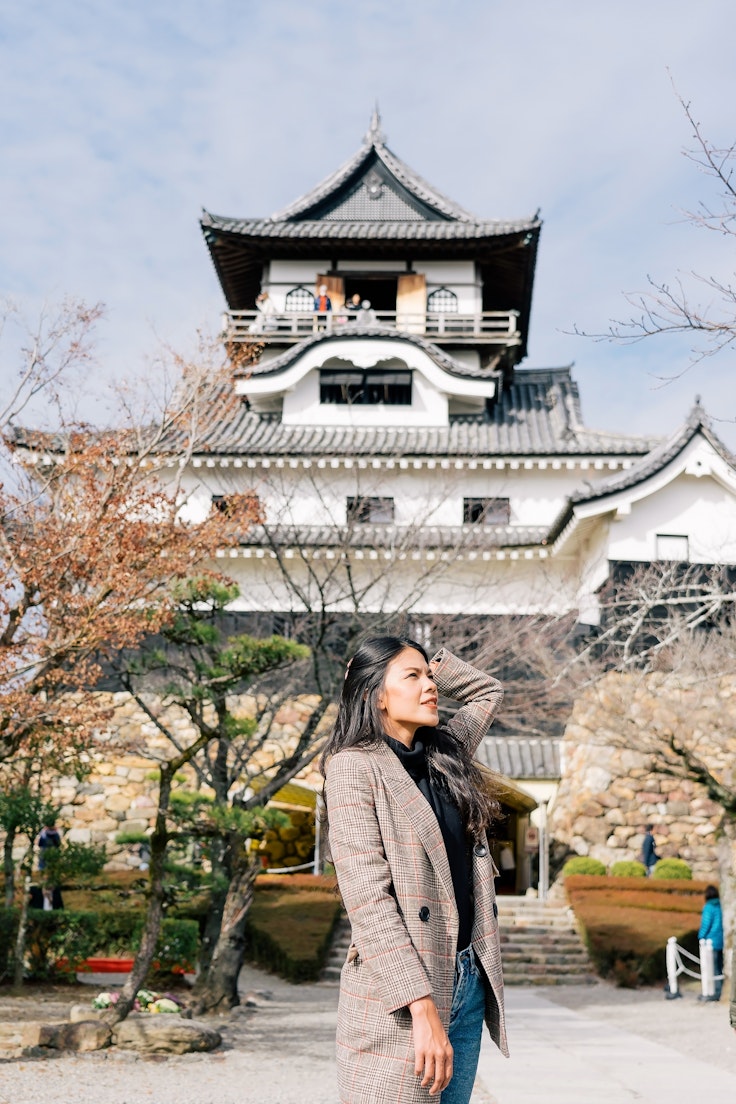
pixel 569 979
pixel 516 941
pixel 552 969
pixel 522 958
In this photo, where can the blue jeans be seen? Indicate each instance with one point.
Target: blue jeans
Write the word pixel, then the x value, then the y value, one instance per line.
pixel 466 1026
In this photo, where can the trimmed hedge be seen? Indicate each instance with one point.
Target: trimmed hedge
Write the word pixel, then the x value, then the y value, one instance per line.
pixel 626 923
pixel 68 936
pixel 288 931
pixel 631 869
pixel 672 868
pixel 582 864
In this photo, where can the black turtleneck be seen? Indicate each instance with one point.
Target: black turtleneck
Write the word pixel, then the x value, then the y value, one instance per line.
pixel 414 760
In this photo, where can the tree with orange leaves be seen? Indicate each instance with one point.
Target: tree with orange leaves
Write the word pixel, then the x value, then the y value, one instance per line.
pixel 91 538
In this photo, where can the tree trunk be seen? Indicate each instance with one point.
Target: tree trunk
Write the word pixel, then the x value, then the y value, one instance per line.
pixel 212 928
pixel 9 868
pixel 218 987
pixel 20 940
pixel 154 913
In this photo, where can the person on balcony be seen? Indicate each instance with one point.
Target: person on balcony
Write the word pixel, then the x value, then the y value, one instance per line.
pixel 322 309
pixel 266 317
pixel 366 316
pixel 353 307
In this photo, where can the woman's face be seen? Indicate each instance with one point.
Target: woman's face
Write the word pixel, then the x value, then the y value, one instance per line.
pixel 408 698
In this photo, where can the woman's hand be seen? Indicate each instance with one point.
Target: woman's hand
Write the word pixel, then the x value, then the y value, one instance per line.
pixel 432 1048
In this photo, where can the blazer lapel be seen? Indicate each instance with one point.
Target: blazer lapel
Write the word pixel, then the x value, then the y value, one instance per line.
pixel 412 801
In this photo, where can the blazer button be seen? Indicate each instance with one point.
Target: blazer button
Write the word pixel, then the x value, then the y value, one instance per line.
pixel 424 913
pixel 480 850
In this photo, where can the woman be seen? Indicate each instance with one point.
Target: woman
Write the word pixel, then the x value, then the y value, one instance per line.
pixel 407 815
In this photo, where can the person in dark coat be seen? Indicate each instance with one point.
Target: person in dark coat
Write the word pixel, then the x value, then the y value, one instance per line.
pixel 649 855
pixel 49 836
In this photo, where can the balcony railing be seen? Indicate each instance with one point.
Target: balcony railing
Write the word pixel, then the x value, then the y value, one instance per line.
pixel 484 327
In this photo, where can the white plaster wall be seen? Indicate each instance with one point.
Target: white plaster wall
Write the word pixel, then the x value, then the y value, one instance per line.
pixel 425 496
pixel 468 357
pixel 302 407
pixel 699 508
pixel 419 585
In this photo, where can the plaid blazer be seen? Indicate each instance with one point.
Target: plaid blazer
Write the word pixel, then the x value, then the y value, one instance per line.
pixel 395 881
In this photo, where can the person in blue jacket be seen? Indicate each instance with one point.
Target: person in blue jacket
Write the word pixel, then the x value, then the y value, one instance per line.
pixel 711 927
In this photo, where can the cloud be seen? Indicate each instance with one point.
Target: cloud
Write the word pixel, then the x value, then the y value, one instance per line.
pixel 120 123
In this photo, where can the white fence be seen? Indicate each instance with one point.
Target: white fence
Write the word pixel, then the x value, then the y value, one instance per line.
pixel 707 976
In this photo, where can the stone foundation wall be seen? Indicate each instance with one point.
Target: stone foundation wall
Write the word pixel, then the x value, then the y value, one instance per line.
pixel 119 793
pixel 610 787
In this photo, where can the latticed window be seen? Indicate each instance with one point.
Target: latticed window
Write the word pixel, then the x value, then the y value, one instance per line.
pixel 486 511
pixel 378 511
pixel 442 301
pixel 300 299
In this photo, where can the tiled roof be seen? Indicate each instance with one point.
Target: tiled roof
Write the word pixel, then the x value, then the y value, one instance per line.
pixel 374 151
pixel 659 457
pixel 377 231
pixel 539 415
pixel 459 538
pixel 293 353
pixel 522 756
pixel 661 454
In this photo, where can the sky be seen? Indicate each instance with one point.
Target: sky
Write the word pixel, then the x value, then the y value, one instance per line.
pixel 120 122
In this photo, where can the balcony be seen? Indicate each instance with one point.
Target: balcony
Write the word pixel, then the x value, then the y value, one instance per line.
pixel 482 328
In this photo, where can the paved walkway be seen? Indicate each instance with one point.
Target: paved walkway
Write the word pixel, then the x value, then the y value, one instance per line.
pixel 570 1045
pixel 566 1056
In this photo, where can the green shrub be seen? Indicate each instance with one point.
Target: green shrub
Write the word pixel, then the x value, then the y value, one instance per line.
pixel 672 868
pixel 631 869
pixel 58 941
pixel 72 861
pixel 583 864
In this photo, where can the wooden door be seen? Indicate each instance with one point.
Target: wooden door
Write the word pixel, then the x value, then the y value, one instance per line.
pixel 411 303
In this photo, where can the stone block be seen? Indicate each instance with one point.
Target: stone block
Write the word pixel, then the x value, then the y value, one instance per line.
pixel 117 803
pixel 165 1033
pixel 83 1035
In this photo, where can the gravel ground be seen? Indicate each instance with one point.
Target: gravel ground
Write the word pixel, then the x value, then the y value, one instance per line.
pixel 282 1051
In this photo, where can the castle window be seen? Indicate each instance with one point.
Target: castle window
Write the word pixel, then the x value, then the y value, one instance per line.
pixel 672 548
pixel 486 511
pixel 376 511
pixel 442 301
pixel 365 387
pixel 283 625
pixel 300 299
pixel 230 504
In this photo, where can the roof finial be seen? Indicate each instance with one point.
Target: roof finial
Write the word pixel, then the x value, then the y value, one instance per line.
pixel 375 136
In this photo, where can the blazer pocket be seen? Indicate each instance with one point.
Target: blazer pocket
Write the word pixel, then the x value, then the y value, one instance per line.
pixel 353 954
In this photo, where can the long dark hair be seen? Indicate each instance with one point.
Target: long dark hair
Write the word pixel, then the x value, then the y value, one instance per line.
pixel 359 724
